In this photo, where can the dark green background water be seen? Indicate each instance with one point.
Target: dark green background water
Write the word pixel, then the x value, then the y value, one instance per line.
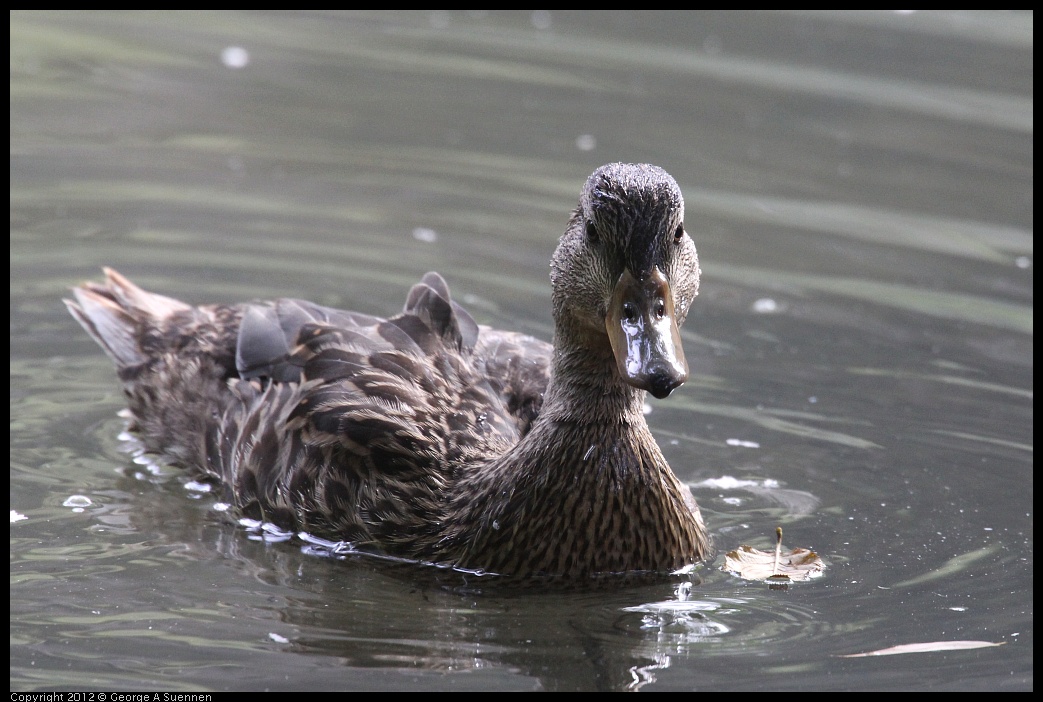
pixel 859 186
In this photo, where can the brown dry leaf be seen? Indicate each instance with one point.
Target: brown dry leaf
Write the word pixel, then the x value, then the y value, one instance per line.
pixel 774 566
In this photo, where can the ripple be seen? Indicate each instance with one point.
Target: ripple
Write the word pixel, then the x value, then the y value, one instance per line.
pixel 687 624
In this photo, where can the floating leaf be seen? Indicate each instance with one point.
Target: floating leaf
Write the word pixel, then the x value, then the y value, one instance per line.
pixel 776 567
pixel 924 648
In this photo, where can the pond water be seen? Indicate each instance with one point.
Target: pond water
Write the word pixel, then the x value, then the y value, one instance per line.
pixel 859 186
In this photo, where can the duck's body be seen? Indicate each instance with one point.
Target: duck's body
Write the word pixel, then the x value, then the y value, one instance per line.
pixel 426 436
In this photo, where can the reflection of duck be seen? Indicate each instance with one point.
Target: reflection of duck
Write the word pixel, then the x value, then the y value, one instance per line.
pixel 426 435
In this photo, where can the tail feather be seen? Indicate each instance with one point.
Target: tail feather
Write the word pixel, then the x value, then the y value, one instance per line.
pixel 173 360
pixel 113 312
pixel 108 324
pixel 130 296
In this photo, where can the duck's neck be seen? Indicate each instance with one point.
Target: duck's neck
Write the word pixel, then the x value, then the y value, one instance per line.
pixel 585 388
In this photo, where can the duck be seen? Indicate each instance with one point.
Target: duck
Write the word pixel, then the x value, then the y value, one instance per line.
pixel 426 436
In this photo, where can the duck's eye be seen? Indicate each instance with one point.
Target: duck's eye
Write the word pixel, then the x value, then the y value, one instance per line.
pixel 679 233
pixel 592 232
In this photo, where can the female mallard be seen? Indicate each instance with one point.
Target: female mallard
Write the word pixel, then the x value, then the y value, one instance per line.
pixel 425 435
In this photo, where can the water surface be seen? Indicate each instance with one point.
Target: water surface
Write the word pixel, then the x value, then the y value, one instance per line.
pixel 859 186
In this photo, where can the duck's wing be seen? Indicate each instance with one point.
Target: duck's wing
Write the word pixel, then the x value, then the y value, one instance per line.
pixel 269 334
pixel 277 338
pixel 354 425
pixel 518 367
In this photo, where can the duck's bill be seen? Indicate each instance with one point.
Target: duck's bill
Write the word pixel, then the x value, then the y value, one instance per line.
pixel 642 328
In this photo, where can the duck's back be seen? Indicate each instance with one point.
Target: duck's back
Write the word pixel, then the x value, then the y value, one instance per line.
pixel 333 422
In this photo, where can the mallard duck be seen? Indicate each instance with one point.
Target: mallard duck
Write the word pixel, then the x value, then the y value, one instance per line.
pixel 428 436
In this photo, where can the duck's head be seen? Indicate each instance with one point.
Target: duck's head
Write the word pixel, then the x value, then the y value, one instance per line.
pixel 627 269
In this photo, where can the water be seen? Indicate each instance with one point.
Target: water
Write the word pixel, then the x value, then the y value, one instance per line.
pixel 859 186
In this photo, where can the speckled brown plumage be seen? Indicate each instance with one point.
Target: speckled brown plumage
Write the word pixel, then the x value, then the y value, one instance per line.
pixel 426 435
